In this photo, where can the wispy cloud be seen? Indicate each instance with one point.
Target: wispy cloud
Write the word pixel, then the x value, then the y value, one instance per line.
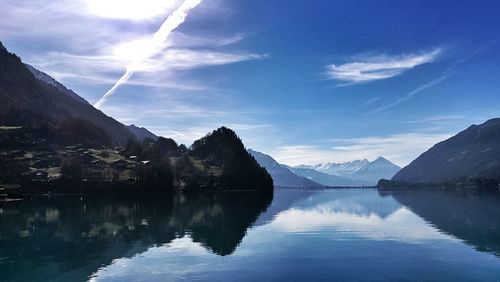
pixel 182 59
pixel 154 45
pixel 301 154
pixel 380 67
pixel 102 68
pixel 98 42
pixel 185 120
pixel 183 40
pixel 399 148
pixel 441 118
pixel 371 101
pixel 188 134
pixel 410 94
pixel 445 75
pixel 150 80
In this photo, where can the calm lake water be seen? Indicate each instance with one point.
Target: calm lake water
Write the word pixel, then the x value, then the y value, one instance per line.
pixel 357 234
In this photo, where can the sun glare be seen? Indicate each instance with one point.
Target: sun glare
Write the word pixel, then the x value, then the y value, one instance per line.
pixel 133 50
pixel 130 9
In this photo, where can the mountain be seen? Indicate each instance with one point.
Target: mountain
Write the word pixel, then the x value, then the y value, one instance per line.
pixel 40 75
pixel 281 175
pixel 318 167
pixel 325 179
pixel 141 133
pixel 223 149
pixel 343 168
pixel 353 173
pixel 304 175
pixel 308 166
pixel 34 100
pixel 472 153
pixel 50 134
pixel 372 172
pixel 218 161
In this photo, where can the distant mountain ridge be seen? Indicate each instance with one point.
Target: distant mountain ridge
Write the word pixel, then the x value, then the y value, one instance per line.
pixel 327 179
pixel 281 175
pixel 472 153
pixel 359 172
pixel 356 173
pixel 343 168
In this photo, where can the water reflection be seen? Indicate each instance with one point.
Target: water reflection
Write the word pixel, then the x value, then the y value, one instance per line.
pixel 471 216
pixel 297 235
pixel 68 238
pixel 354 213
pixel 318 235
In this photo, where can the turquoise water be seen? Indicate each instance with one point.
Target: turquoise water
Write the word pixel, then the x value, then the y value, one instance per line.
pixel 330 235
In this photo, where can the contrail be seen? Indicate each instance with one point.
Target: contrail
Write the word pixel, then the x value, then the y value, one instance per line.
pixel 169 25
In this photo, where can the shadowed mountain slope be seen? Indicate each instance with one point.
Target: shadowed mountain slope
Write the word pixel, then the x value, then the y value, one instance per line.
pixel 32 99
pixel 472 153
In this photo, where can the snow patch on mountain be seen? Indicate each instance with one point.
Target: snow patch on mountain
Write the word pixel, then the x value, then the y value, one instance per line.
pixel 362 171
pixel 41 76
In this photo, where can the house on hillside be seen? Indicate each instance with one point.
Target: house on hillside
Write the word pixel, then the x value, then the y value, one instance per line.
pixel 39 176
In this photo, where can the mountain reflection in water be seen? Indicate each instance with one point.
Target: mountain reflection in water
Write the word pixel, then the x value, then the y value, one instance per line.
pixel 67 238
pixel 295 235
pixel 471 216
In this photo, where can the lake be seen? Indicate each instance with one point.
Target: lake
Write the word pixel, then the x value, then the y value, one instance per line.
pixel 294 235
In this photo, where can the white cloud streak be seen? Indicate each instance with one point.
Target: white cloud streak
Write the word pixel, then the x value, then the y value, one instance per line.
pixel 93 50
pixel 380 67
pixel 171 23
pixel 410 94
pixel 185 121
pixel 422 88
pixel 162 71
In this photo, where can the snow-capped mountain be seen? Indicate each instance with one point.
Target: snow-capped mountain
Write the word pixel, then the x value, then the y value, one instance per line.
pixel 343 168
pixel 315 167
pixel 359 171
pixel 380 168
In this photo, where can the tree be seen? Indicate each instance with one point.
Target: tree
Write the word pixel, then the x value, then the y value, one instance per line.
pixel 111 174
pixel 147 142
pixel 186 171
pixel 133 148
pixel 71 169
pixel 162 149
pixel 156 174
pixel 182 149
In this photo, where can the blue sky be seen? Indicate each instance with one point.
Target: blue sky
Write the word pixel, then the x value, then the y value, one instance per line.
pixel 305 81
